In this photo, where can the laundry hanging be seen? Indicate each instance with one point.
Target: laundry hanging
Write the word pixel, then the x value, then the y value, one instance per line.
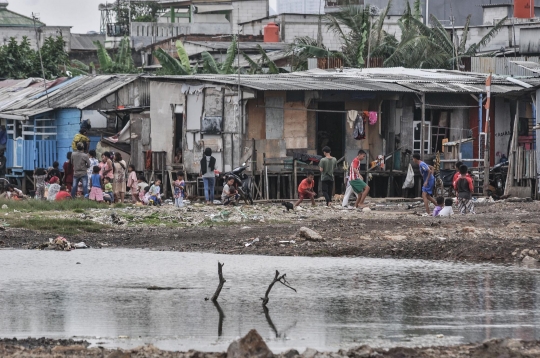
pixel 359 127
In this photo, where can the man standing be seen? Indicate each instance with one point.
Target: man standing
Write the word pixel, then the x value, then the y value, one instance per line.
pixel 327 165
pixel 3 138
pixel 428 181
pixel 80 163
pixel 354 173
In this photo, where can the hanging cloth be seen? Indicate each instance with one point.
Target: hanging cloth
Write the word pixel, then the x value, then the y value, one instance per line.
pixel 359 127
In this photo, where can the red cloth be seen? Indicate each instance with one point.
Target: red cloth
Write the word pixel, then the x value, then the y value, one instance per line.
pixel 456 177
pixel 469 180
pixel 305 185
pixel 62 195
pixel 68 173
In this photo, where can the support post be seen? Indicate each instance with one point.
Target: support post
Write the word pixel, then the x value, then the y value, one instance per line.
pixel 295 179
pixel 422 126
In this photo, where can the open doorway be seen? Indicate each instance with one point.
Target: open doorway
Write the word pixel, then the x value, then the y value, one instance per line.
pixel 179 134
pixel 331 128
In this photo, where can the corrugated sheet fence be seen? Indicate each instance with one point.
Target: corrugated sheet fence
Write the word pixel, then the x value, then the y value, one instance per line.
pixel 502 65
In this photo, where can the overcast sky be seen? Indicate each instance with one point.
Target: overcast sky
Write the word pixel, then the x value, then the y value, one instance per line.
pixel 82 15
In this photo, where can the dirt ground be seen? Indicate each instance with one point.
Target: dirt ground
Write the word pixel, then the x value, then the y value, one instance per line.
pixel 502 232
pixel 48 348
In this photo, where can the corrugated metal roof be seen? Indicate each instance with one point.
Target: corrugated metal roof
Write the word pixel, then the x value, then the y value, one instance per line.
pixel 79 92
pixel 85 42
pixel 529 65
pixel 369 80
pixel 290 82
pixel 224 45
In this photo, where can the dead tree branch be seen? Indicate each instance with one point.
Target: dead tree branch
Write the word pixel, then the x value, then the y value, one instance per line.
pixel 221 282
pixel 277 278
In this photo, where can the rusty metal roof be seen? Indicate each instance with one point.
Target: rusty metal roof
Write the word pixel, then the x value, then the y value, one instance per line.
pixel 369 80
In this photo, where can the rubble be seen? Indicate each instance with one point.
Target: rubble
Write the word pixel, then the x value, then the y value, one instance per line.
pixel 309 235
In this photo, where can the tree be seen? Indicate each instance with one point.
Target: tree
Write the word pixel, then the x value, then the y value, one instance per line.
pixel 121 63
pixel 140 12
pixel 306 47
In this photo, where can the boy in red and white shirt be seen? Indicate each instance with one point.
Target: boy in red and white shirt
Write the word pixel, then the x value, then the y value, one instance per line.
pixel 354 173
pixel 464 188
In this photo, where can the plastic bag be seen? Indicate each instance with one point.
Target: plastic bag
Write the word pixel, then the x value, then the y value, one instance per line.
pixel 409 180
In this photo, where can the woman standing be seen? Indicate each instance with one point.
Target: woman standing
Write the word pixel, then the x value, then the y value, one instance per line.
pixel 208 165
pixel 119 184
pixel 106 166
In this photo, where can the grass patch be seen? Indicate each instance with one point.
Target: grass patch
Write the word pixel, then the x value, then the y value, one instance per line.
pixel 56 225
pixel 44 205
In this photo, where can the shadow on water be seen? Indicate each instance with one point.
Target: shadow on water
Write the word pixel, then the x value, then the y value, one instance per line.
pixel 282 334
pixel 221 318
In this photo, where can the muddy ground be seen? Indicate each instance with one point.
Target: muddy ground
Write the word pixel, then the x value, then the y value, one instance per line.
pixel 48 348
pixel 501 232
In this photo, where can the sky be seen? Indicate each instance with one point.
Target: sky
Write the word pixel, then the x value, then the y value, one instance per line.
pixel 82 15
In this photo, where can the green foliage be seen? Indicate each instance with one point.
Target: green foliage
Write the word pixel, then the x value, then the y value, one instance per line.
pixel 306 47
pixel 170 65
pixel 121 63
pixel 19 60
pixel 140 12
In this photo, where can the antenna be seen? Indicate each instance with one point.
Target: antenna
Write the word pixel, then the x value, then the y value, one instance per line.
pixel 34 18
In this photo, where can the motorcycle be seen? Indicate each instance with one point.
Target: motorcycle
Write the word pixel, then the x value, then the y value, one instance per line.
pixel 242 182
pixel 497 179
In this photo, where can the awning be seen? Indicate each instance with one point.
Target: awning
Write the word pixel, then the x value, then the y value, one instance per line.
pixel 202 9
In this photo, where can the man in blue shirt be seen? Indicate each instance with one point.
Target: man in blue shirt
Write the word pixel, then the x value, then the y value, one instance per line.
pixel 428 182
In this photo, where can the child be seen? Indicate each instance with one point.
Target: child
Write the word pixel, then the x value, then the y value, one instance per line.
pixel 109 197
pixel 464 188
pixel 68 172
pixel 133 184
pixel 54 172
pixel 54 188
pixel 179 186
pixel 229 193
pixel 447 209
pixel 154 191
pixel 39 176
pixel 305 190
pixel 13 193
pixel 439 206
pixel 95 183
pixel 63 194
pixel 141 185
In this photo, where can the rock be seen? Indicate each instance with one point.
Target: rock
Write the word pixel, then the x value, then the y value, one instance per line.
pixel 360 352
pixel 252 345
pixel 533 252
pixel 4 206
pixel 528 259
pixel 119 354
pixel 524 252
pixel 366 210
pixel 395 237
pixel 309 234
pixel 67 349
pixel 468 229
pixel 512 344
pixel 291 353
pixel 309 353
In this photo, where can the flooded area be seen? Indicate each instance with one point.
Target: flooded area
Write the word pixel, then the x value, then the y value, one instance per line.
pixel 102 296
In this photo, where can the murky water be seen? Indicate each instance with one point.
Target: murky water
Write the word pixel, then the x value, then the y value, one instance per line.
pixel 341 302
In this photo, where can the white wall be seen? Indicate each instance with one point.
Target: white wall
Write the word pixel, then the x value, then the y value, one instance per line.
pixel 162 95
pixel 246 11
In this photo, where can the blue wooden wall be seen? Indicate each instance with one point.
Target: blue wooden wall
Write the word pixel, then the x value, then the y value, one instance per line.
pixel 68 124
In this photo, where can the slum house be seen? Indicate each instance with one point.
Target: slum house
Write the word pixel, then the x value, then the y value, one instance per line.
pixel 277 118
pixel 41 125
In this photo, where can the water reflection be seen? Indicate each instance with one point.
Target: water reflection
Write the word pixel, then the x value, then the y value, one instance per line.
pixel 340 302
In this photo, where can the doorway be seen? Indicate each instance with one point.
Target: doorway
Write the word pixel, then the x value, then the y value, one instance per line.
pixel 331 128
pixel 179 134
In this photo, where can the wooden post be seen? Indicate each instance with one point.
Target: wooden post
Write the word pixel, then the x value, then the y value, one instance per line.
pixel 295 179
pixel 422 139
pixel 486 156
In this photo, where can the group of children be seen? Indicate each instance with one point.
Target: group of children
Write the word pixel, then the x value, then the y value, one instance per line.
pixel 464 188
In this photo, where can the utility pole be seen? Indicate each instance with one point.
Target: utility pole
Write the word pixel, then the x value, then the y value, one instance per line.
pixel 486 148
pixel 422 126
pixel 34 17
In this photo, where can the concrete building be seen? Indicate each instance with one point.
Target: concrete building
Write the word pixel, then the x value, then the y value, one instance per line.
pixel 14 25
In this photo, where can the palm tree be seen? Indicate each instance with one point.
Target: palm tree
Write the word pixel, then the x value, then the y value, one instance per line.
pixel 422 46
pixel 257 67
